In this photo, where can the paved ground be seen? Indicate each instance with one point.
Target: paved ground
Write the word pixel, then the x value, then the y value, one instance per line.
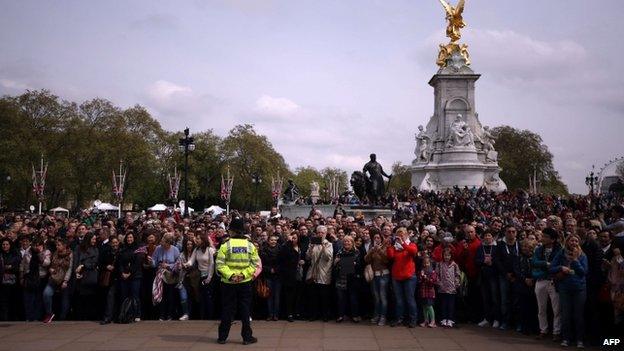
pixel 201 335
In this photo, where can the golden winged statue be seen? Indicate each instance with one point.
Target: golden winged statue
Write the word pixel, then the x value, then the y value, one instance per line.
pixel 453 31
pixel 455 19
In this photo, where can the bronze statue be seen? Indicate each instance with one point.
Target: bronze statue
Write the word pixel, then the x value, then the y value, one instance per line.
pixel 375 175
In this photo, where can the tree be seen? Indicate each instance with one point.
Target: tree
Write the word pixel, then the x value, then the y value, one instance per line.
pixel 521 153
pixel 247 153
pixel 304 176
pixel 401 178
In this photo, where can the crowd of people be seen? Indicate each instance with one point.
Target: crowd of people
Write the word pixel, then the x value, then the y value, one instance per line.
pixel 538 264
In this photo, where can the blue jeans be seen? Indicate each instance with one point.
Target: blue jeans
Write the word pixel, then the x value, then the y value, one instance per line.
pixel 490 299
pixel 404 291
pixel 508 300
pixel 380 294
pixel 48 296
pixel 273 302
pixel 572 308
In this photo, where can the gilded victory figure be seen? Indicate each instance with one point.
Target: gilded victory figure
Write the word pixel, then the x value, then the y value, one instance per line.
pixel 453 31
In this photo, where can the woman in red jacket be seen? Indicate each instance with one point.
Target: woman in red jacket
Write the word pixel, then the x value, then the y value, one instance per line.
pixel 402 253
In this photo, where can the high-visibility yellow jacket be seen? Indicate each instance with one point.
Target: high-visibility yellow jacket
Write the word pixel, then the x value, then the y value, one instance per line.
pixel 237 256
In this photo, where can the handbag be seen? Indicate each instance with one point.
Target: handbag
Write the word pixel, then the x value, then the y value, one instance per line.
pixel 262 288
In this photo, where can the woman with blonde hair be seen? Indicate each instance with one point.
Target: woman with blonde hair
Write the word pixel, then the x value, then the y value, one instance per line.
pixel 570 269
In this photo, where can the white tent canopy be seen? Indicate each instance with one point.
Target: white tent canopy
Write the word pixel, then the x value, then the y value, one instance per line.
pixel 59 209
pixel 105 206
pixel 216 210
pixel 158 208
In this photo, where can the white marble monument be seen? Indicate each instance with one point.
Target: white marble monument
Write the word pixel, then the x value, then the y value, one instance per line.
pixel 455 149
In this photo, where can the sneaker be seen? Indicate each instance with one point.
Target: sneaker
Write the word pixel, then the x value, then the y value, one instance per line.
pixel 450 323
pixel 48 318
pixel 382 321
pixel 519 329
pixel 137 319
pixel 290 319
pixel 423 324
pixel 356 319
pixel 565 343
pixel 339 319
pixel 484 323
pixel 375 320
pixel 432 324
pixel 503 326
pixel 580 345
pixel 443 323
pixel 184 317
pixel 495 325
pixel 251 340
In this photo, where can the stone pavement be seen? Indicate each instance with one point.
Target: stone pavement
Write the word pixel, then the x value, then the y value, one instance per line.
pixel 201 335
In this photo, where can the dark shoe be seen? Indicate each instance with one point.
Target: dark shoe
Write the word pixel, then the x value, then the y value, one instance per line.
pixel 251 340
pixel 221 341
pixel 339 320
pixel 274 319
pixel 556 337
pixel 290 319
pixel 48 318
pixel 269 319
pixel 411 325
pixel 104 322
pixel 541 336
pixel 356 319
pixel 396 322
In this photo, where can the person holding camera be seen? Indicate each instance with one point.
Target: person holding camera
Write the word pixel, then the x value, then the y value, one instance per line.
pixel 404 280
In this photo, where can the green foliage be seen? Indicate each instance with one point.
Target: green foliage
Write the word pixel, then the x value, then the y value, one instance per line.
pixel 247 153
pixel 521 152
pixel 401 178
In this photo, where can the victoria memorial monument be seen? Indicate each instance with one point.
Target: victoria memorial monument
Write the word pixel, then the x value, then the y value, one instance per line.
pixel 455 149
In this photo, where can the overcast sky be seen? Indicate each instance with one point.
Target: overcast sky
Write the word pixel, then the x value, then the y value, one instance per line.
pixel 331 81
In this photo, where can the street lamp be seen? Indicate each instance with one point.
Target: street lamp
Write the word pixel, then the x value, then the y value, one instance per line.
pixel 591 180
pixel 186 145
pixel 256 180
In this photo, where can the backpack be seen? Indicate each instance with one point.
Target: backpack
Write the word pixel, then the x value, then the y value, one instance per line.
pixel 129 309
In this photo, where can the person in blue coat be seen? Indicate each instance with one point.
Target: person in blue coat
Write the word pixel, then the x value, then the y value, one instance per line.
pixel 570 269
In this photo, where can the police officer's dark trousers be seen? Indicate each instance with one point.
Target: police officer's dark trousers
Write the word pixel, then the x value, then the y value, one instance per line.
pixel 233 297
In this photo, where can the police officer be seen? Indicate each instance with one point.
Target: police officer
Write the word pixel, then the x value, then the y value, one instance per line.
pixel 237 260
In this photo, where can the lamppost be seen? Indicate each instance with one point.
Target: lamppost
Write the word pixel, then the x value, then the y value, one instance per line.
pixel 591 180
pixel 256 180
pixel 186 144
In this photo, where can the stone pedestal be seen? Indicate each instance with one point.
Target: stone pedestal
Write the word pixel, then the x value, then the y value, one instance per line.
pixel 455 161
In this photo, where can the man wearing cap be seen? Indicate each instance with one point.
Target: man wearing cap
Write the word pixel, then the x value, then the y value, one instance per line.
pixel 237 261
